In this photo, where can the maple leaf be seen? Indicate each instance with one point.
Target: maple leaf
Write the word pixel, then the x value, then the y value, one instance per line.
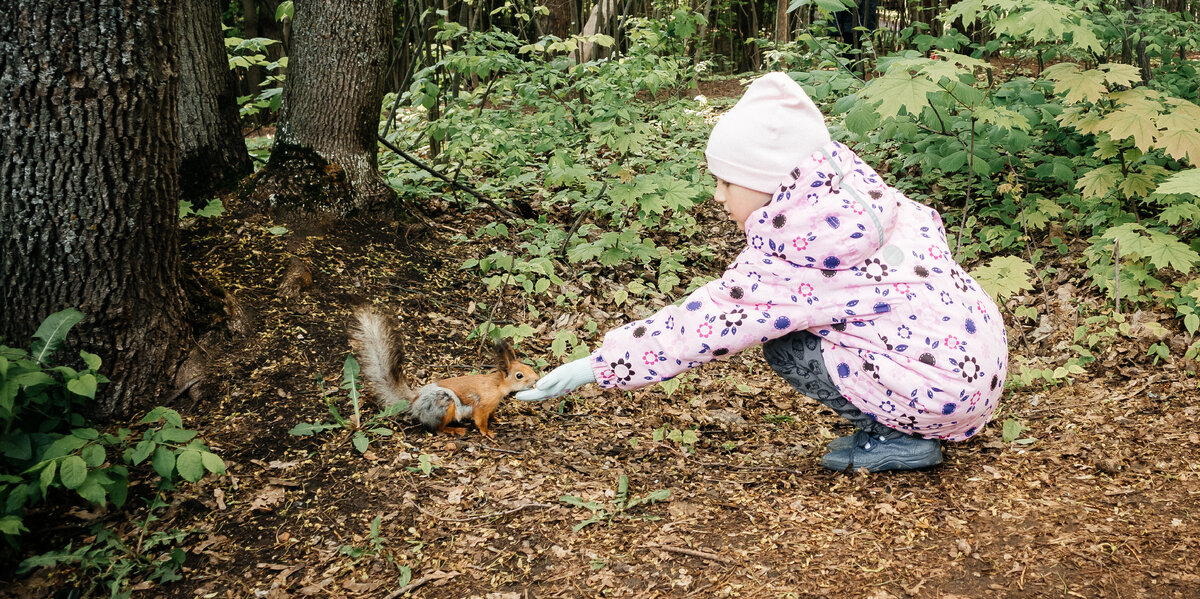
pixel 1080 86
pixel 1099 181
pixel 896 91
pixel 1185 109
pixel 1181 144
pixel 1137 185
pixel 1166 250
pixel 1130 236
pixel 1131 122
pixel 1116 73
pixel 1003 277
pixel 963 60
pixel 967 10
pixel 1002 117
pixel 1183 182
pixel 1139 99
pixel 1177 213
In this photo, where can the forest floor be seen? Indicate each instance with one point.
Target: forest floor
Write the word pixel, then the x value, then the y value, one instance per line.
pixel 1103 502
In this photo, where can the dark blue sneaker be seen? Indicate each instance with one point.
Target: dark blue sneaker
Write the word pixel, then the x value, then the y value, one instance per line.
pixel 841 442
pixel 877 454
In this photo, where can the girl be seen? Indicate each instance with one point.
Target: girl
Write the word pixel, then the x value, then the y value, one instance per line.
pixel 847 284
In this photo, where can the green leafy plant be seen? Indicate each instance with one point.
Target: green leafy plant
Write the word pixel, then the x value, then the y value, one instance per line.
pixel 361 431
pixel 425 465
pixel 1012 431
pixel 49 452
pixel 377 547
pixel 618 507
pixel 686 438
pixel 212 207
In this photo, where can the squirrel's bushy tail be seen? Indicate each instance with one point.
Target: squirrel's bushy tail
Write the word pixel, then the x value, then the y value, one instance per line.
pixel 380 350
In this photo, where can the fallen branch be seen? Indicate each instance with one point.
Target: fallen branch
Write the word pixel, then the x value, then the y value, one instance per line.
pixel 482 516
pixel 453 183
pixel 762 468
pixel 694 553
pixel 412 586
pixel 514 452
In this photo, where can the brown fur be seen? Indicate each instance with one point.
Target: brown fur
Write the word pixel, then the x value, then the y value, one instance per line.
pixel 380 348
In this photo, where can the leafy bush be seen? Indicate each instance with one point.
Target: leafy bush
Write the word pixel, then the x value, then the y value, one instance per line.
pixel 49 452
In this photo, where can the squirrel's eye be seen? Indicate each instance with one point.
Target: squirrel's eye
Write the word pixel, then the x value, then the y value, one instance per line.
pixel 520 375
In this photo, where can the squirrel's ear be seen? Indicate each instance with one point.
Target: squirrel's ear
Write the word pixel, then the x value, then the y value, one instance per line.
pixel 505 355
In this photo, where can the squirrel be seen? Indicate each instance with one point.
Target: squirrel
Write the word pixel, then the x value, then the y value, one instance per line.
pixel 380 348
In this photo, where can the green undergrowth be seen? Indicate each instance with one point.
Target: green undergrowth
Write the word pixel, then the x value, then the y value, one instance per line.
pixel 1042 148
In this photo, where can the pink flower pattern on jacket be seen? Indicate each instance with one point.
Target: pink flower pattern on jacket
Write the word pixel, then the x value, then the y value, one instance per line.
pixel 908 336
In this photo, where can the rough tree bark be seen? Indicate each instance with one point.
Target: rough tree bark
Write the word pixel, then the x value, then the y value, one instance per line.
pixel 213 153
pixel 88 188
pixel 324 159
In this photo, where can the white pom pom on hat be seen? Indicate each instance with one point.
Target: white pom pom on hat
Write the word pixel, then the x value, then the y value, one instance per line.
pixel 773 127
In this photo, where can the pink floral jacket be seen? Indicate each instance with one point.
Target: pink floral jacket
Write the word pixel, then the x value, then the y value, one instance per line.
pixel 908 336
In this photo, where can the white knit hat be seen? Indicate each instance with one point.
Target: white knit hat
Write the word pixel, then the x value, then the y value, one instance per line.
pixel 766 134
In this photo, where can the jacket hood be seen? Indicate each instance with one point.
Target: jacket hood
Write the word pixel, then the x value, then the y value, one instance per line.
pixel 832 212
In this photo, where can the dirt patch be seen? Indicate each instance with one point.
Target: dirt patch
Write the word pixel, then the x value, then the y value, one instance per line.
pixel 1101 504
pixel 722 88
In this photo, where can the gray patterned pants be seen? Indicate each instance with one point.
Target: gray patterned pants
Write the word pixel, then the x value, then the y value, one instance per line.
pixel 797 358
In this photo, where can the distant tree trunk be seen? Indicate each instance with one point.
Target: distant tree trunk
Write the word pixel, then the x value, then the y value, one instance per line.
pixel 324 159
pixel 595 24
pixel 701 40
pixel 1135 54
pixel 781 22
pixel 88 187
pixel 213 151
pixel 558 22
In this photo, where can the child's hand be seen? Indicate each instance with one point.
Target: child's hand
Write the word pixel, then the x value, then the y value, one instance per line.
pixel 561 380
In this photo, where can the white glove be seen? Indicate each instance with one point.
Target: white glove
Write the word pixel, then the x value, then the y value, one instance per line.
pixel 561 380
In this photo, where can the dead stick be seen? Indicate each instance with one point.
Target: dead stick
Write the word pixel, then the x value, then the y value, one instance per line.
pixel 1117 275
pixel 412 586
pixel 694 553
pixel 485 445
pixel 763 468
pixel 455 184
pixel 482 516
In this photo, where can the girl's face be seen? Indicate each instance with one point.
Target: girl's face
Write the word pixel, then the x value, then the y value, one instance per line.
pixel 740 202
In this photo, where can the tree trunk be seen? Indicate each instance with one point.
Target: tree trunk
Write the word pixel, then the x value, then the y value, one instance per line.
pixel 89 190
pixel 324 159
pixel 213 151
pixel 558 21
pixel 781 22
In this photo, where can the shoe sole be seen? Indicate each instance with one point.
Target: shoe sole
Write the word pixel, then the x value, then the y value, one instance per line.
pixel 891 464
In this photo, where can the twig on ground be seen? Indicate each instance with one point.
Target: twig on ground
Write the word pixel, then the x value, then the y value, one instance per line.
pixel 762 468
pixel 483 516
pixel 694 553
pixel 412 586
